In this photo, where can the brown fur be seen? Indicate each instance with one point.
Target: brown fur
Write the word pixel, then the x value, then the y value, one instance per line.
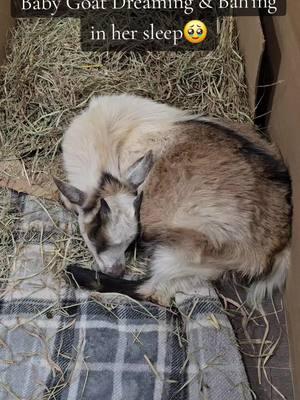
pixel 213 165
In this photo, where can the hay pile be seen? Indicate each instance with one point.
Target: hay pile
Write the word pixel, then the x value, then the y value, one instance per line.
pixel 48 80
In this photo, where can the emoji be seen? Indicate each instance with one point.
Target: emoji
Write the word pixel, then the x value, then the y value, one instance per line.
pixel 195 31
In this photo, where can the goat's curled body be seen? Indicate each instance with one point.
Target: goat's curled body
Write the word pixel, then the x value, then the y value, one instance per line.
pixel 210 207
pixel 216 200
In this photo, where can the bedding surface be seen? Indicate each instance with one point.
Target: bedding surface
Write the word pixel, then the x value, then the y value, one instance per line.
pixel 58 342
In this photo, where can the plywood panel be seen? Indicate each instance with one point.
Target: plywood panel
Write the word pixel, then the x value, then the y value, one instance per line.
pixel 284 126
pixel 251 43
pixel 5 23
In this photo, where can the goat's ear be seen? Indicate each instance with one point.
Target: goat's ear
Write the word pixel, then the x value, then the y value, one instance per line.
pixel 138 172
pixel 74 195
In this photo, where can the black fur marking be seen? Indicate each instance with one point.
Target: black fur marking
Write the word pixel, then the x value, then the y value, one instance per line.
pixel 137 205
pixel 274 169
pixel 100 282
pixel 108 179
pixel 105 209
pixel 96 232
pixel 89 208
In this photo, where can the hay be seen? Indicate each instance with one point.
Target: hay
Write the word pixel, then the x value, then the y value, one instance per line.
pixel 252 327
pixel 48 80
pixel 8 217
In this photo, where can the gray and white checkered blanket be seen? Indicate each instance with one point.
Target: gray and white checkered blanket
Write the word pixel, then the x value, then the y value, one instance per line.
pixel 57 342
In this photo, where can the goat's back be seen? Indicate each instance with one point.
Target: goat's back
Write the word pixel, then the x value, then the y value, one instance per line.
pixel 230 186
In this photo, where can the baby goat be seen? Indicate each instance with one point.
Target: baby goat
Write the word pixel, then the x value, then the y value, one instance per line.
pixel 216 198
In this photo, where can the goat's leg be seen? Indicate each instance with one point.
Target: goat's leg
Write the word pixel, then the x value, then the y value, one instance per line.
pixel 171 273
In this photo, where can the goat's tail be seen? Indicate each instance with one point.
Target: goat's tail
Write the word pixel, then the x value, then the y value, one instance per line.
pixel 274 280
pixel 97 281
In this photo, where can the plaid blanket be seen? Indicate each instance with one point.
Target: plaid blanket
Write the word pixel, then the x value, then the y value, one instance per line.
pixel 57 342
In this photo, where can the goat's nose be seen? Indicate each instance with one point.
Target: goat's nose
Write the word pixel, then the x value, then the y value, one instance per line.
pixel 117 270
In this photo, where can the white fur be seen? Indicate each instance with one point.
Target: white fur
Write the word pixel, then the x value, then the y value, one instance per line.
pixel 275 280
pixel 122 222
pixel 121 230
pixel 172 272
pixel 111 134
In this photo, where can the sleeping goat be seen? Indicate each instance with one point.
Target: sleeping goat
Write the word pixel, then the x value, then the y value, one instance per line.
pixel 216 198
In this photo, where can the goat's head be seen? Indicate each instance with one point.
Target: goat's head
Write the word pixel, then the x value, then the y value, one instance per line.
pixel 109 218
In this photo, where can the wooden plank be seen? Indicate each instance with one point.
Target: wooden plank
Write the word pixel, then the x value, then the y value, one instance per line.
pixel 252 44
pixel 284 127
pixel 6 21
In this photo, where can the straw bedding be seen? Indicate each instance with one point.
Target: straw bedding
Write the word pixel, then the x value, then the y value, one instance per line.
pixel 48 80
